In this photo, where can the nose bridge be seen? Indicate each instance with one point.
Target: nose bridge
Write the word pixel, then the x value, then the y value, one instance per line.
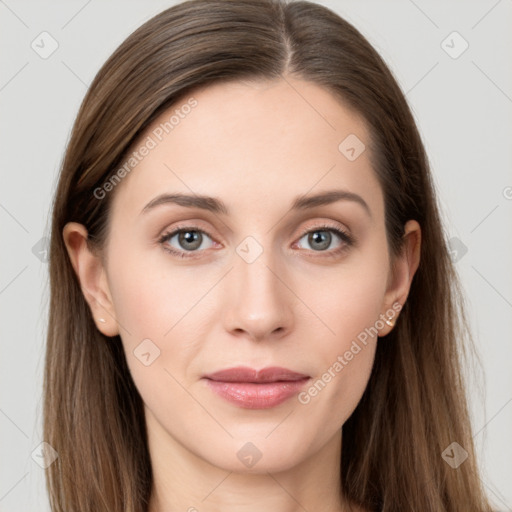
pixel 259 303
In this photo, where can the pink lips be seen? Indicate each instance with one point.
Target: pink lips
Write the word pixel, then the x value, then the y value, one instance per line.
pixel 253 389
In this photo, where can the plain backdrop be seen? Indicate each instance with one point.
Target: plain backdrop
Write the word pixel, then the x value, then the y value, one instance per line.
pixel 459 86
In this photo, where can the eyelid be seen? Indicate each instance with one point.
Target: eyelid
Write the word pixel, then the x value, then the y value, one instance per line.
pixel 325 224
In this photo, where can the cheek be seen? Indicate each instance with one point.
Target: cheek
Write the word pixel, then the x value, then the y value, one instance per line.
pixel 347 300
pixel 344 359
pixel 157 343
pixel 150 295
pixel 154 306
pixel 349 305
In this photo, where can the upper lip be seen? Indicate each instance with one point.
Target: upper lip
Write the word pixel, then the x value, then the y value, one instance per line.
pixel 246 374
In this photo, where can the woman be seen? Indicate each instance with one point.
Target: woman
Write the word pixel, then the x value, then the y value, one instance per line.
pixel 252 302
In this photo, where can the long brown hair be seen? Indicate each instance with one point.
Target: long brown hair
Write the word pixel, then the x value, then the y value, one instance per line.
pixel 414 406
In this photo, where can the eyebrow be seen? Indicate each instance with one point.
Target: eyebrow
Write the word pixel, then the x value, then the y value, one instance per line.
pixel 215 205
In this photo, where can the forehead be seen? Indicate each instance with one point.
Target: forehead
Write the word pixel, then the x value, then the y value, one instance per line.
pixel 246 140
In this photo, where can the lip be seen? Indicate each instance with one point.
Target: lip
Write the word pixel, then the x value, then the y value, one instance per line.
pixel 246 374
pixel 256 389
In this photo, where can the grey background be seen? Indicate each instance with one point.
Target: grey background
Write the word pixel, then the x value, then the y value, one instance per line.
pixel 463 107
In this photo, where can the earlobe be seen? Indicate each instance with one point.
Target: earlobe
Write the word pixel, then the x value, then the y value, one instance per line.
pixel 403 272
pixel 92 277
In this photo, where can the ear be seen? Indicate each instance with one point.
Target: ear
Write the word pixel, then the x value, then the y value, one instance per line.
pixel 404 268
pixel 92 277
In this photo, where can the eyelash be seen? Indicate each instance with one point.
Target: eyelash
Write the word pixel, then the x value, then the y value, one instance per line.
pixel 347 240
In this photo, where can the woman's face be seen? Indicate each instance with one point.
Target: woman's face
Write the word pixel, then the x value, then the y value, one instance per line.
pixel 256 282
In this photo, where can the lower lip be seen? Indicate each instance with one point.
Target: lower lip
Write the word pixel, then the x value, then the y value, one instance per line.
pixel 256 396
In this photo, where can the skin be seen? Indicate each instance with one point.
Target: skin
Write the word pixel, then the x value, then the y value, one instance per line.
pixel 256 146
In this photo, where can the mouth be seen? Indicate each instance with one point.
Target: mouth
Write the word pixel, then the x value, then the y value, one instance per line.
pixel 250 375
pixel 256 389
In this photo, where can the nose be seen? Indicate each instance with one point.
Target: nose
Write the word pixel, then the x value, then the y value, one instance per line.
pixel 259 303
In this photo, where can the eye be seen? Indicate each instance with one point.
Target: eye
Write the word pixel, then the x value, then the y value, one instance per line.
pixel 185 242
pixel 321 238
pixel 188 240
